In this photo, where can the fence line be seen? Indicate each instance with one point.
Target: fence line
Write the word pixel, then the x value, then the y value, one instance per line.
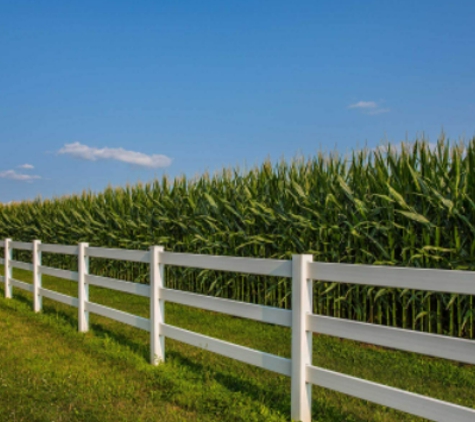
pixel 303 323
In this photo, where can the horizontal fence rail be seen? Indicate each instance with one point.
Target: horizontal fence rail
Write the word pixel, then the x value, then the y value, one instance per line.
pixel 274 267
pixel 59 297
pixel 425 407
pixel 56 272
pixel 448 281
pixel 126 318
pixel 119 254
pixel 119 285
pixel 435 345
pixel 22 285
pixel 302 322
pixel 231 307
pixel 21 265
pixel 59 249
pixel 22 246
pixel 230 350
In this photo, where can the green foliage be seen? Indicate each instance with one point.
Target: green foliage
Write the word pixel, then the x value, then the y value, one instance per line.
pixel 408 206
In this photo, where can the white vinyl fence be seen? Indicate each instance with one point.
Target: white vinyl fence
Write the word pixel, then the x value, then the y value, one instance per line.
pixel 300 319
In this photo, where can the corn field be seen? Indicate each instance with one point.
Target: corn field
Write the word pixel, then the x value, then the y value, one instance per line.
pixel 410 205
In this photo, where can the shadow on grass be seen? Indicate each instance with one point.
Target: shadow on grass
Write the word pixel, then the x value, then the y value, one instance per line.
pixel 235 384
pixel 99 329
pixel 269 391
pixel 20 298
pixel 122 339
pixel 277 399
pixel 201 369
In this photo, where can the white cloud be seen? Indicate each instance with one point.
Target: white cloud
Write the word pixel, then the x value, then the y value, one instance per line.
pixel 26 166
pixel 13 175
pixel 85 152
pixel 363 105
pixel 369 107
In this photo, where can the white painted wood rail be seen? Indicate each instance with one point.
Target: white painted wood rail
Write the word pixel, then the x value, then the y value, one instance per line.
pixel 260 313
pixel 300 319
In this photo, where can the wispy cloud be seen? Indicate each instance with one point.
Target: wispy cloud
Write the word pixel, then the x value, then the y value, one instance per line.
pixel 364 105
pixel 14 175
pixel 26 166
pixel 369 107
pixel 85 152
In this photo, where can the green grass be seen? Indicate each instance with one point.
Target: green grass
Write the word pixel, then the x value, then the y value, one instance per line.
pixel 50 372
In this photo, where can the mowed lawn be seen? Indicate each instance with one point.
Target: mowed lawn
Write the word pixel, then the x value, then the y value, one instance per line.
pixel 50 372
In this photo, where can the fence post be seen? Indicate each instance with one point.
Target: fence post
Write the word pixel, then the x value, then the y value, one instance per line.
pixel 157 306
pixel 37 299
pixel 301 391
pixel 83 288
pixel 8 268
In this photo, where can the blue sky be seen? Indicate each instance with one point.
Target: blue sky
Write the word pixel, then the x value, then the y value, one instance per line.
pixel 111 92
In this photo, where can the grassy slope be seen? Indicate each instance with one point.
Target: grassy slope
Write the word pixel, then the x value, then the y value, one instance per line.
pixel 48 371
